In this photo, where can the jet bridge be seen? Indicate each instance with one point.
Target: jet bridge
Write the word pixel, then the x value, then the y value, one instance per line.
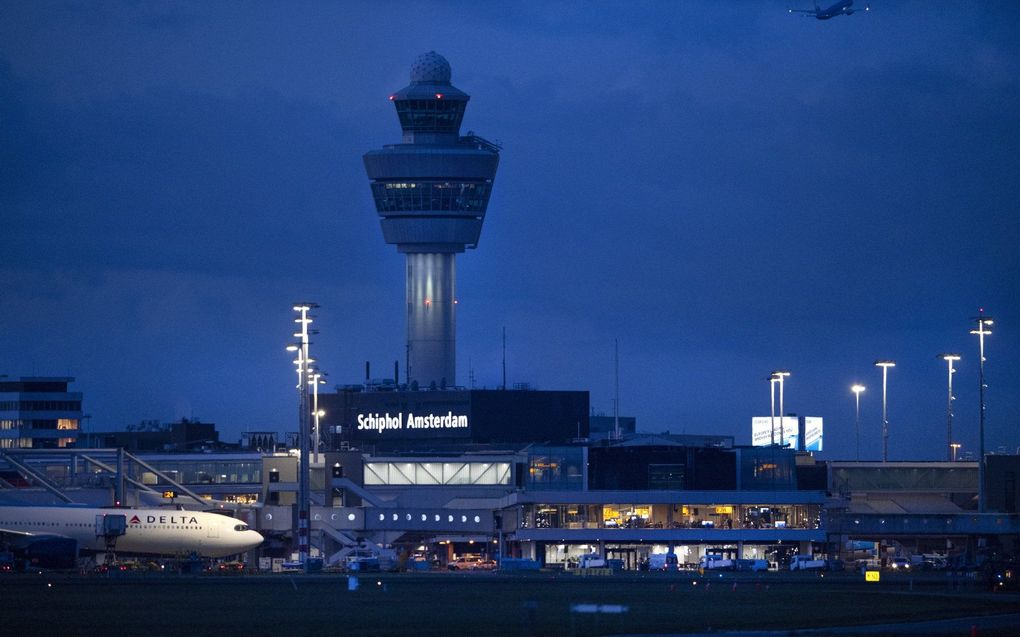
pixel 83 469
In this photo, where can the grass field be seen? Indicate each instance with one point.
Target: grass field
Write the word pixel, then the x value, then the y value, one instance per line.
pixel 455 605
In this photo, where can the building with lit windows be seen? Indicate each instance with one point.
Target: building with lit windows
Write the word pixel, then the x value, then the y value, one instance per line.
pixel 38 413
pixel 625 499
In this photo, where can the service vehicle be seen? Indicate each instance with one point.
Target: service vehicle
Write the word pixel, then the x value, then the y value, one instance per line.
pixel 714 561
pixel 592 560
pixel 752 565
pixel 806 563
pixel 663 562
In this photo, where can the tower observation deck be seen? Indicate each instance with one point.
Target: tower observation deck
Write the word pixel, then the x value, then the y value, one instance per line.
pixel 431 192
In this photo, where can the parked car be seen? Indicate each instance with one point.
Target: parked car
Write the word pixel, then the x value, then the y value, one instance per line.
pixel 465 563
pixel 933 564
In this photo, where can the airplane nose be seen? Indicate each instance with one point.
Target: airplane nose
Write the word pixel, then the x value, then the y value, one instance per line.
pixel 255 538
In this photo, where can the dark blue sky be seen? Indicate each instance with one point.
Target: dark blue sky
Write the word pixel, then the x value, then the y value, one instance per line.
pixel 723 187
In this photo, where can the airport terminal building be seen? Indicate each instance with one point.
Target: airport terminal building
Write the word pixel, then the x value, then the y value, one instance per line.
pixel 556 499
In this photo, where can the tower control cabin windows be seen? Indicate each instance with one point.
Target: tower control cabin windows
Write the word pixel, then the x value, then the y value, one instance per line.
pixel 464 196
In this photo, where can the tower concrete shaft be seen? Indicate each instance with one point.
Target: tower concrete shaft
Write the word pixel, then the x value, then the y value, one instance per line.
pixel 431 192
pixel 432 317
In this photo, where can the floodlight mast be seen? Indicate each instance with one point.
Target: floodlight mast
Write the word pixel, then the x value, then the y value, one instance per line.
pixel 772 387
pixel 857 388
pixel 885 365
pixel 317 378
pixel 982 322
pixel 780 376
pixel 304 371
pixel 950 359
pixel 431 192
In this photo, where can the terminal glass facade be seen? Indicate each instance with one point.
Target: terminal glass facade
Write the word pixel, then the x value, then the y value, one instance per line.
pixel 199 472
pixel 935 477
pixel 437 473
pixel 555 468
pixel 670 516
pixel 767 468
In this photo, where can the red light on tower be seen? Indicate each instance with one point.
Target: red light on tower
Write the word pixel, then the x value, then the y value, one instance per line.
pixel 439 96
pixel 391 97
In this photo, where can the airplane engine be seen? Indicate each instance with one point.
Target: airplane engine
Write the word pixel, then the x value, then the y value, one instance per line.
pixel 59 553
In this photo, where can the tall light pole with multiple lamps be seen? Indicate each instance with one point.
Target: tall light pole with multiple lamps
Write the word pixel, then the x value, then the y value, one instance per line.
pixel 982 323
pixel 780 375
pixel 950 359
pixel 857 388
pixel 304 372
pixel 317 378
pixel 885 365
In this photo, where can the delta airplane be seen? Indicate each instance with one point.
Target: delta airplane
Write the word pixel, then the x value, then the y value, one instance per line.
pixel 844 7
pixel 68 530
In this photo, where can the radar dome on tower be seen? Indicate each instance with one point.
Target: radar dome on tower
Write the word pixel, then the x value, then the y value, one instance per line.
pixel 430 68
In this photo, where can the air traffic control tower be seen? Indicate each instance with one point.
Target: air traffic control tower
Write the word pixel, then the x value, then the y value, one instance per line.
pixel 431 191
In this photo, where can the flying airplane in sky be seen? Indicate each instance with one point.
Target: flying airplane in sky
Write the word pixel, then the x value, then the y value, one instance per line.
pixel 53 536
pixel 843 7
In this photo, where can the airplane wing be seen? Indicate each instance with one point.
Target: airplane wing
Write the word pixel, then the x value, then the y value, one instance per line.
pixel 810 12
pixel 23 539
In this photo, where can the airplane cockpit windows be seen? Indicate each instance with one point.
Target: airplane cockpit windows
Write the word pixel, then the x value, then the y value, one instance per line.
pixel 241 527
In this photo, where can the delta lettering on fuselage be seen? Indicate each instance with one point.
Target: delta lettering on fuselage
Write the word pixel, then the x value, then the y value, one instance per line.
pixel 165 519
pixel 386 422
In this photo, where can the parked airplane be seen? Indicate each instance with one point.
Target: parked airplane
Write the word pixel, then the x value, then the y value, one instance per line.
pixel 58 534
pixel 844 7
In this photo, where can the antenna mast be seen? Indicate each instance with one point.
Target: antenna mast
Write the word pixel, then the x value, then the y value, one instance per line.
pixel 616 389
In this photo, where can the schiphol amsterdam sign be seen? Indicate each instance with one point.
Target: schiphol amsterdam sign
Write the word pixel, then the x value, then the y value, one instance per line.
pixel 386 423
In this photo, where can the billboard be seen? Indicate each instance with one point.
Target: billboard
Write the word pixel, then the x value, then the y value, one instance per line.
pixel 812 433
pixel 804 433
pixel 786 431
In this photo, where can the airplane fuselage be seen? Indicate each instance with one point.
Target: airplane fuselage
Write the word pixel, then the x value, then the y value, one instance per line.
pixel 146 531
pixel 844 7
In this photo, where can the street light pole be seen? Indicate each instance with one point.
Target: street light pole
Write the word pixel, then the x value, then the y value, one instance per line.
pixel 955 447
pixel 772 386
pixel 950 358
pixel 317 379
pixel 780 376
pixel 885 365
pixel 857 389
pixel 982 322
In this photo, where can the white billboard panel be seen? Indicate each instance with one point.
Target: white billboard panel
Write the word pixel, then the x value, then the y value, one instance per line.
pixel 785 431
pixel 813 433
